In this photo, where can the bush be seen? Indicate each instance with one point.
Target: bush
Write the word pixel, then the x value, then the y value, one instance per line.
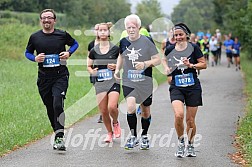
pixel 29 18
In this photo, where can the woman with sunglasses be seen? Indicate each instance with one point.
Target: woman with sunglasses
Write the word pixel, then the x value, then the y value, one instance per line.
pixel 183 59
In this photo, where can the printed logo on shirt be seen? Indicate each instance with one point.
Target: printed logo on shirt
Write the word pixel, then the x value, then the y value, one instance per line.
pixel 133 55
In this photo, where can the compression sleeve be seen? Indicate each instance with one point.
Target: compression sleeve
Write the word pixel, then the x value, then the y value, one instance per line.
pixel 73 48
pixel 29 56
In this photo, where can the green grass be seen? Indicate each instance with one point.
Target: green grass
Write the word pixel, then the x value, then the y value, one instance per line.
pixel 244 131
pixel 22 114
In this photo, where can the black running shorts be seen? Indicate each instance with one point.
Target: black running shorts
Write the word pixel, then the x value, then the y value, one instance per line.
pixel 191 96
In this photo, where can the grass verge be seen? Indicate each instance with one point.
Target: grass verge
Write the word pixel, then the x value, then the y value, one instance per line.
pixel 244 130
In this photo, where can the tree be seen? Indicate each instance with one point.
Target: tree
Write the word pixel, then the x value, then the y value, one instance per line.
pixel 148 11
pixel 198 14
pixel 90 12
pixel 194 20
pixel 20 5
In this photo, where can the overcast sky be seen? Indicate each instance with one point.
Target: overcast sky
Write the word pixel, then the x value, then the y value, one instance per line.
pixel 166 5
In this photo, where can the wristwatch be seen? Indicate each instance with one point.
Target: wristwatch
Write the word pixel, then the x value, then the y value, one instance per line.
pixel 194 66
pixel 69 53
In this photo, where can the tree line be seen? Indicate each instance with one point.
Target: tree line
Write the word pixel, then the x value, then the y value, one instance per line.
pixel 87 12
pixel 227 15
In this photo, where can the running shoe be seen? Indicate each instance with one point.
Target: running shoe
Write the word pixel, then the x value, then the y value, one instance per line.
pixel 139 110
pixel 190 151
pixel 59 144
pixel 131 143
pixel 117 130
pixel 180 153
pixel 144 145
pixel 109 137
pixel 100 119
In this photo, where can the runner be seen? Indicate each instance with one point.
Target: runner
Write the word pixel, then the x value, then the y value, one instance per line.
pixel 102 63
pixel 228 43
pixel 218 33
pixel 213 43
pixel 138 55
pixel 219 42
pixel 184 59
pixel 168 41
pixel 200 34
pixel 143 31
pixel 219 45
pixel 208 34
pixel 205 48
pixel 49 44
pixel 90 46
pixel 236 53
pixel 194 40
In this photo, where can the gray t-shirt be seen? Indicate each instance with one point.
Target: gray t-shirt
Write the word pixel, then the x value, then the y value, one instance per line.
pixel 137 51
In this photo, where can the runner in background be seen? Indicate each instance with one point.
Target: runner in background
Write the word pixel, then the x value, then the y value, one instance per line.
pixel 200 34
pixel 213 44
pixel 195 40
pixel 208 34
pixel 205 48
pixel 228 43
pixel 219 46
pixel 236 53
pixel 218 34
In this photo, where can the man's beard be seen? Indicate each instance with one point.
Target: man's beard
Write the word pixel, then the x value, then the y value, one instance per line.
pixel 47 25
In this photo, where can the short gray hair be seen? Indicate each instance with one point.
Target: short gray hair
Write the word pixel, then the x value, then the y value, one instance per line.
pixel 133 17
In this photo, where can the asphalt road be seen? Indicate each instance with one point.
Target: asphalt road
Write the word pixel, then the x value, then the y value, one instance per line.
pixel 216 124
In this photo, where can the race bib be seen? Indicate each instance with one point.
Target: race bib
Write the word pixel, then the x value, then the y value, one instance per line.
pixel 104 74
pixel 136 75
pixel 51 60
pixel 184 80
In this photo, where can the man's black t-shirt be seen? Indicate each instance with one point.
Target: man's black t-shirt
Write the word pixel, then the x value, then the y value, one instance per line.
pixel 52 43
